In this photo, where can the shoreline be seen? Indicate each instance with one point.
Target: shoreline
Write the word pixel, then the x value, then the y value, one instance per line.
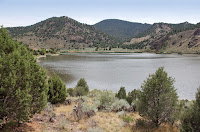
pixel 44 56
pixel 119 50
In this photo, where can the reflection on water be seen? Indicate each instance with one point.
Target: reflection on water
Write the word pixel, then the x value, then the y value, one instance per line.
pixel 111 71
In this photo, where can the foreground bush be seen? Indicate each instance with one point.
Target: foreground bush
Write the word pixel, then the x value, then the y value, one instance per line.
pixel 57 89
pixel 119 105
pixel 23 83
pixel 191 118
pixel 89 107
pixel 81 88
pixel 158 98
pixel 107 98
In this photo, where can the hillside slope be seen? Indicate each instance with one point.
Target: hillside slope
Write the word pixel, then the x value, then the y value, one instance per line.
pixel 61 32
pixel 121 29
pixel 185 42
pixel 162 36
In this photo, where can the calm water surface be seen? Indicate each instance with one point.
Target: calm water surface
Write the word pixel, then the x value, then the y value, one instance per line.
pixel 111 71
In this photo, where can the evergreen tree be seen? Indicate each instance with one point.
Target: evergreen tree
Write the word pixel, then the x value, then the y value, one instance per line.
pixel 81 88
pixel 23 87
pixel 70 91
pixel 191 117
pixel 43 51
pixel 57 89
pixel 121 93
pixel 110 48
pixel 158 98
pixel 132 96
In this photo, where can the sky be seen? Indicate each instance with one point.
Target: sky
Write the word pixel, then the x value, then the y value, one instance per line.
pixel 27 12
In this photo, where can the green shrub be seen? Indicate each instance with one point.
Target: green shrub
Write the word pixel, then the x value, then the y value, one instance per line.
pixel 52 51
pixel 191 118
pixel 180 53
pixel 86 107
pixel 35 52
pixel 121 93
pixel 70 91
pixel 57 89
pixel 23 85
pixel 64 124
pixel 158 98
pixel 95 93
pixel 140 123
pixel 81 88
pixel 80 91
pixel 119 105
pixel 132 96
pixel 106 99
pixel 43 51
pixel 127 118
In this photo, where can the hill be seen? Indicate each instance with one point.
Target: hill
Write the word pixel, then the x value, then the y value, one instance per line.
pixel 121 29
pixel 161 36
pixel 61 32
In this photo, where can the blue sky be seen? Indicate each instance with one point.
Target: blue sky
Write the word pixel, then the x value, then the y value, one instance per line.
pixel 27 12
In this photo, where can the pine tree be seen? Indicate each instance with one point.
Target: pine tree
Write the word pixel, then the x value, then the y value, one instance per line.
pixel 57 89
pixel 121 93
pixel 81 88
pixel 23 87
pixel 191 117
pixel 132 96
pixel 158 98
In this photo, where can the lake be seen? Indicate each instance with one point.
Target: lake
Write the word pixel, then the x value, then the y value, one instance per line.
pixel 112 70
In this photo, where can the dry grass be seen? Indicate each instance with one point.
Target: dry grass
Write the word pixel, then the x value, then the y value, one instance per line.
pixel 107 121
pixel 110 122
pixel 67 110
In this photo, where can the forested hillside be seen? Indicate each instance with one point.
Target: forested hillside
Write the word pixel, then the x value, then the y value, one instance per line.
pixel 121 29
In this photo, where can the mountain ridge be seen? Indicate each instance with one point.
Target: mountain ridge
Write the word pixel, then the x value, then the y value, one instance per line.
pixel 120 28
pixel 61 32
pixel 66 33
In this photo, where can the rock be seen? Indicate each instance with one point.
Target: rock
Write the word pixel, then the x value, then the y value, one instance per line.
pixel 48 108
pixel 120 113
pixel 52 120
pixel 132 108
pixel 90 113
pixel 30 121
pixel 100 107
pixel 62 114
pixel 197 32
pixel 45 114
pixel 92 123
pixel 68 102
pixel 123 124
pixel 78 112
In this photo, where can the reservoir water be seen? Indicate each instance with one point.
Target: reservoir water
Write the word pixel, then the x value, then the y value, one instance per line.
pixel 112 70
